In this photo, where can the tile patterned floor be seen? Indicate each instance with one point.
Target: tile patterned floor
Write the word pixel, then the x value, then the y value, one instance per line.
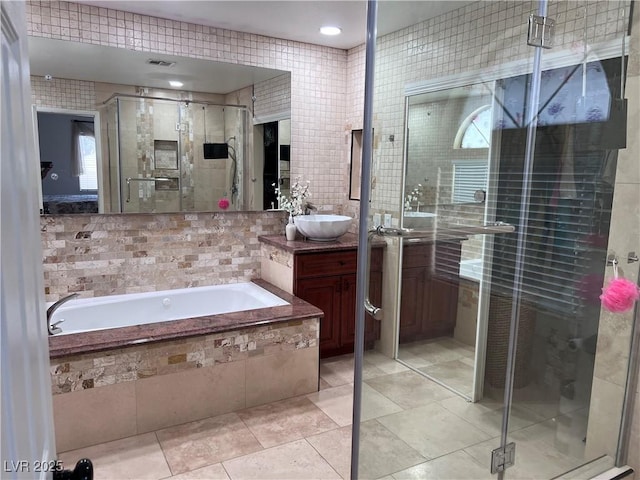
pixel 412 429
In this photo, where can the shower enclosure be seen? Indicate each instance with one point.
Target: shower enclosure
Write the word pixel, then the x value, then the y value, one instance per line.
pixel 511 117
pixel 168 155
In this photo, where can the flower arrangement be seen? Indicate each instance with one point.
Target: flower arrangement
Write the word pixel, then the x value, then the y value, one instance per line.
pixel 414 196
pixel 295 203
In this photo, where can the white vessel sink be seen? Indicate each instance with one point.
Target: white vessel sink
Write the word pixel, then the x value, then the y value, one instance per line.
pixel 419 219
pixel 322 228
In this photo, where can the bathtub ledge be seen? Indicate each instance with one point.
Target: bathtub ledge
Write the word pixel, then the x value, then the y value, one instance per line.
pixel 100 340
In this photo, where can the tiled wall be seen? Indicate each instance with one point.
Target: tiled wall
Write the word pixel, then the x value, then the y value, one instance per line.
pixel 272 96
pixel 98 255
pixel 318 76
pixel 63 93
pixel 354 115
pixel 477 36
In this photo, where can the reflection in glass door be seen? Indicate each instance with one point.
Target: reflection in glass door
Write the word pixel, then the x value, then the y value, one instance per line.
pixel 448 135
pixel 526 374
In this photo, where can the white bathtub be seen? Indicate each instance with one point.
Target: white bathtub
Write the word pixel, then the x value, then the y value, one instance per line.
pixel 114 311
pixel 471 269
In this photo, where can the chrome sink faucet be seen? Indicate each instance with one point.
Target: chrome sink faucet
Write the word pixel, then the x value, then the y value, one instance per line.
pixel 53 328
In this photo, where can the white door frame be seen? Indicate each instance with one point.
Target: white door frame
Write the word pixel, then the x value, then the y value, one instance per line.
pixel 27 446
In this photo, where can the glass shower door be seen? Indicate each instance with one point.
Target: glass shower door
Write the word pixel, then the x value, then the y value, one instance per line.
pixel 539 316
pixel 151 134
pixel 561 164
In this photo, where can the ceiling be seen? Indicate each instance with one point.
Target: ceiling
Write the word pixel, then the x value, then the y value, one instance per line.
pixel 129 67
pixel 292 20
pixel 297 20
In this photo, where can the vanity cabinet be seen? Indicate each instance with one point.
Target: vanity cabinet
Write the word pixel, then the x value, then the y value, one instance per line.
pixel 429 293
pixel 328 281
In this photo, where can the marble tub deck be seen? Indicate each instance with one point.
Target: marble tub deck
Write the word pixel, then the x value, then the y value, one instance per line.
pixel 87 342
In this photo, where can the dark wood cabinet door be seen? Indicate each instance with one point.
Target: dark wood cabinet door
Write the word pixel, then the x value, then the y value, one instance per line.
pixel 348 311
pixel 325 293
pixel 443 307
pixel 412 303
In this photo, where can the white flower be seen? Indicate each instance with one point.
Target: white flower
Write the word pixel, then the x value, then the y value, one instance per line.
pixel 296 201
pixel 414 196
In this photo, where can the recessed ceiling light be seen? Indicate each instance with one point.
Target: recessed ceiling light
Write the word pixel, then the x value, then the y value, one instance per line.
pixel 330 30
pixel 175 83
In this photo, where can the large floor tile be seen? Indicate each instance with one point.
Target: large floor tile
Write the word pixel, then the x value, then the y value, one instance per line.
pixel 295 460
pixel 457 374
pixel 488 417
pixel 285 421
pixel 409 389
pixel 383 453
pixel 531 463
pixel 437 350
pixel 375 405
pixel 138 457
pixel 336 373
pixel 336 403
pixel 564 434
pixel 205 442
pixel 454 466
pixel 335 448
pixel 383 363
pixel 432 430
pixel 210 472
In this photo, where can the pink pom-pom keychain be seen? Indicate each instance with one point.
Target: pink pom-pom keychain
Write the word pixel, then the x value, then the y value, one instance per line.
pixel 620 294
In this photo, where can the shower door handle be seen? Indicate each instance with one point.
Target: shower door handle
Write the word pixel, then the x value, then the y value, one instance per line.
pixel 149 179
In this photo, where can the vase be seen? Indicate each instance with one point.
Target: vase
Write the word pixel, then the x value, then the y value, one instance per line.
pixel 290 230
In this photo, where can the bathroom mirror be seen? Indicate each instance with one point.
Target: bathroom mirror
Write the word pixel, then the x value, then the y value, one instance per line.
pixel 152 138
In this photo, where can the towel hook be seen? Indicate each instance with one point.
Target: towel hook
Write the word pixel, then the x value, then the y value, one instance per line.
pixel 612 260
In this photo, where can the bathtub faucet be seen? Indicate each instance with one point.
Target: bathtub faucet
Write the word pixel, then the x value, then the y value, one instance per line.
pixel 53 328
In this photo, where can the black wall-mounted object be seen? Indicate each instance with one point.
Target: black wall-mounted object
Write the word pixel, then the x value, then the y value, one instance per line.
pixel 285 153
pixel 215 150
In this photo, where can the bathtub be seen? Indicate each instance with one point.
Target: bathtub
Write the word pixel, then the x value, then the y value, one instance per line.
pixel 117 311
pixel 178 356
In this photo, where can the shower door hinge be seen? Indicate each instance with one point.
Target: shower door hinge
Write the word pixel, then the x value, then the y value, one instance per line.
pixel 541 31
pixel 503 458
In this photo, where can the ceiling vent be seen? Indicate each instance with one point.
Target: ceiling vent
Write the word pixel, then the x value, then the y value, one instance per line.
pixel 160 63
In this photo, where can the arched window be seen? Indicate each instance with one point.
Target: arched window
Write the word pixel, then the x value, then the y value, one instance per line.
pixel 470 175
pixel 475 131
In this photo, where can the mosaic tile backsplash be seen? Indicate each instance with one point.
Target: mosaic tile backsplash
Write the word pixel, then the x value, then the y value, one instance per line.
pixel 97 255
pixel 81 372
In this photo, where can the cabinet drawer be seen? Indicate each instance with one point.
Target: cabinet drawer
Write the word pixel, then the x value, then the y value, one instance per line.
pixel 320 264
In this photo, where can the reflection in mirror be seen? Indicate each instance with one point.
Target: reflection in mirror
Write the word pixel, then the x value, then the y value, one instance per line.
pixel 356 164
pixel 69 162
pixel 170 156
pixel 447 161
pixel 272 156
pixel 162 149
